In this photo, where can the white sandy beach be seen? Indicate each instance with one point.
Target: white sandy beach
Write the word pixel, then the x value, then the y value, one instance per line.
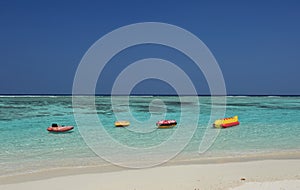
pixel 265 174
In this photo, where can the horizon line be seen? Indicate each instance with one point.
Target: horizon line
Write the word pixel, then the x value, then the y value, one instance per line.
pixel 65 94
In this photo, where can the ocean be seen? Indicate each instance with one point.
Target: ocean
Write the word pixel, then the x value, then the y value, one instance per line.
pixel 268 125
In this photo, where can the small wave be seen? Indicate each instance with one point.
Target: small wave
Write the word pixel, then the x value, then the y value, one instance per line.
pixel 28 96
pixel 238 96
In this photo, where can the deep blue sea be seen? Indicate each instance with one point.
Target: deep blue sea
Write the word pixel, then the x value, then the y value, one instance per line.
pixel 268 124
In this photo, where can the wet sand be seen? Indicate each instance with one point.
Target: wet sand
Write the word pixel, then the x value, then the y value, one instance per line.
pixel 263 174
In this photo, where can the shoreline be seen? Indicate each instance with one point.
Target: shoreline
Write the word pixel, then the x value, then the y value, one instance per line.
pixel 181 177
pixel 180 160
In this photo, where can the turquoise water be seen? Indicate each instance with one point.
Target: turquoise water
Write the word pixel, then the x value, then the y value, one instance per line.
pixel 268 124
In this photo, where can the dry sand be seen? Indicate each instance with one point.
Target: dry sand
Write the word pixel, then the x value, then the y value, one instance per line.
pixel 258 175
pixel 274 185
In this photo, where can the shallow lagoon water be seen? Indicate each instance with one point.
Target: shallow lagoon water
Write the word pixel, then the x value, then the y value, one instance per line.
pixel 268 125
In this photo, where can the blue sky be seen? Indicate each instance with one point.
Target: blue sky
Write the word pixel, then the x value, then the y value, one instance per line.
pixel 256 43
